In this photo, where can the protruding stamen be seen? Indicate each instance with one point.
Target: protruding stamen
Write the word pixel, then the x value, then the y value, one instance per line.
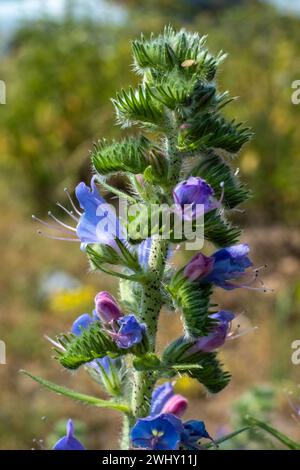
pixel 256 270
pixel 70 213
pixel 52 227
pixel 235 335
pixel 71 201
pixel 39 232
pixel 60 222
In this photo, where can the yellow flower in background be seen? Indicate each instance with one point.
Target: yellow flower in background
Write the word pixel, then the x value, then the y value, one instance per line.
pixel 76 300
pixel 187 386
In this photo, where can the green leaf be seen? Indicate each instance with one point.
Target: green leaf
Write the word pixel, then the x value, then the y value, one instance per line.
pixel 193 301
pixel 219 231
pixel 171 50
pixel 211 374
pixel 129 155
pixel 100 255
pixel 93 343
pixel 215 171
pixel 149 361
pixel 254 422
pixel 210 130
pixel 138 107
pixel 202 366
pixel 86 399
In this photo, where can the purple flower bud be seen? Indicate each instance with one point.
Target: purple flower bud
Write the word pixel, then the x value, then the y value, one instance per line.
pixel 107 307
pixel 176 405
pixel 198 267
pixel 195 191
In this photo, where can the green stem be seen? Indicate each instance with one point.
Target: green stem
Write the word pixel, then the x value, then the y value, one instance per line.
pixel 125 442
pixel 150 307
pixel 151 302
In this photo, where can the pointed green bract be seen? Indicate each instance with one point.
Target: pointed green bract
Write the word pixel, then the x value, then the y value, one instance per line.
pixel 129 155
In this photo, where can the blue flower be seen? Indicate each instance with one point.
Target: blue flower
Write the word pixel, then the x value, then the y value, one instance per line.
pixel 164 400
pixel 229 264
pixel 108 370
pixel 193 432
pixel 130 332
pixel 162 432
pixel 217 337
pixel 81 323
pixel 160 397
pixel 143 252
pixel 194 192
pixel 68 442
pixel 222 268
pixel 98 223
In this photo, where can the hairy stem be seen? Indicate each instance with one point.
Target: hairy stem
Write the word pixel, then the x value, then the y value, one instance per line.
pixel 125 442
pixel 150 307
pixel 151 302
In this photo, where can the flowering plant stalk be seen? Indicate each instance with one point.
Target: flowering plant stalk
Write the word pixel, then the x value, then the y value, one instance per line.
pixel 180 158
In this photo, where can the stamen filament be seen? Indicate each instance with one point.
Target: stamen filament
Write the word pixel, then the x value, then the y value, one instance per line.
pixel 52 227
pixel 70 213
pixel 71 201
pixel 60 222
pixel 39 232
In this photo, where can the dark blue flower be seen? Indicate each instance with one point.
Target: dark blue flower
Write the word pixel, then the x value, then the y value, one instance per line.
pixel 68 442
pixel 130 332
pixel 193 432
pixel 162 432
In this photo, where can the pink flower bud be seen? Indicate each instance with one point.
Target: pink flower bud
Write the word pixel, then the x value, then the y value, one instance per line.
pixel 107 307
pixel 176 405
pixel 198 267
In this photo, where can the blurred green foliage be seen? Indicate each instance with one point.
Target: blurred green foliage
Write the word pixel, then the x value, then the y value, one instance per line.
pixel 264 62
pixel 259 401
pixel 60 75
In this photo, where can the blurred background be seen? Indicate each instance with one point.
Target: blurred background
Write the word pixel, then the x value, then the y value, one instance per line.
pixel 61 61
